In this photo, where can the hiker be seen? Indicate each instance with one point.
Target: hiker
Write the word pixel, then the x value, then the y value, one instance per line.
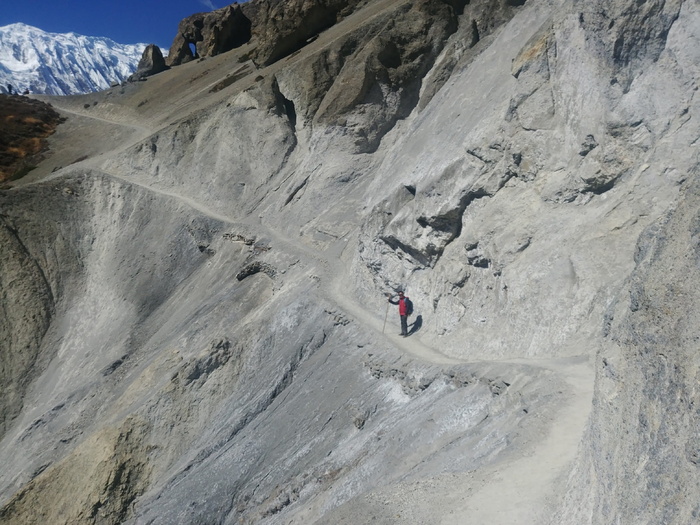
pixel 404 310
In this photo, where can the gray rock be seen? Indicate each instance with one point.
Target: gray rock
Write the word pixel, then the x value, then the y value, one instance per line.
pixel 282 28
pixel 642 437
pixel 193 317
pixel 209 34
pixel 151 63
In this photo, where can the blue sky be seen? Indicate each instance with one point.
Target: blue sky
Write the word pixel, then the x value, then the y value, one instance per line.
pixel 124 21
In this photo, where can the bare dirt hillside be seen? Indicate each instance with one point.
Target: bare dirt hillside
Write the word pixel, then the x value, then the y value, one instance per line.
pixel 193 311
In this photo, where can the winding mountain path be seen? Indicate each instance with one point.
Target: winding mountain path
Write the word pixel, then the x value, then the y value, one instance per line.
pixel 517 490
pixel 520 491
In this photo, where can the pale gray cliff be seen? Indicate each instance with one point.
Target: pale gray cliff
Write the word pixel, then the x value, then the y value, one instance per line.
pixel 193 318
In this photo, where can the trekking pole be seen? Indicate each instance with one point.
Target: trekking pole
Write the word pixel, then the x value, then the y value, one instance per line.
pixel 385 316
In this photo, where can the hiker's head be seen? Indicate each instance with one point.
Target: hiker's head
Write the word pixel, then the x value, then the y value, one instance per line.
pixel 400 294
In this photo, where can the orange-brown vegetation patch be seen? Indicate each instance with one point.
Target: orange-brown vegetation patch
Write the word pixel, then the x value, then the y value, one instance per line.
pixel 24 125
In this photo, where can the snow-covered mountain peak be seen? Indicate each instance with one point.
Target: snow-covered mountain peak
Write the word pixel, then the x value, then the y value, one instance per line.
pixel 61 63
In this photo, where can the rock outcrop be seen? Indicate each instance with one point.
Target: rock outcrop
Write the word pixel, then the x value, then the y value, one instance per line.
pixel 281 28
pixel 208 34
pixel 151 63
pixel 26 311
pixel 276 28
pixel 640 460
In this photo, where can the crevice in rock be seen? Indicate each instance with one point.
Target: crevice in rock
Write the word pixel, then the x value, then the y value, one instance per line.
pixel 219 354
pixel 389 56
pixel 296 190
pixel 451 221
pixel 600 187
pixel 478 261
pixel 588 145
pixel 204 248
pixel 285 106
pixel 290 111
pixel 424 258
pixel 475 34
pixel 111 368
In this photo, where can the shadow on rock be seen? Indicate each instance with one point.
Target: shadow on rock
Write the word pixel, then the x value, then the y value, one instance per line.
pixel 416 325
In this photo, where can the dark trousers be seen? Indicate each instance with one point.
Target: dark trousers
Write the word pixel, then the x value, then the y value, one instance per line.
pixel 404 325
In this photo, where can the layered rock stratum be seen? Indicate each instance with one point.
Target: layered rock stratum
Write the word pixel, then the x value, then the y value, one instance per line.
pixel 193 319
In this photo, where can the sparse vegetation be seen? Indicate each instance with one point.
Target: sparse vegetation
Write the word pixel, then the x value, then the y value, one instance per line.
pixel 25 125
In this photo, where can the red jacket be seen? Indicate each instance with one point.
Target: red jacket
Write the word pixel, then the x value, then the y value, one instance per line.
pixel 403 309
pixel 402 306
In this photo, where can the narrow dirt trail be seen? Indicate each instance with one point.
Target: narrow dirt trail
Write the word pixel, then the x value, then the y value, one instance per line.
pixel 143 130
pixel 511 492
pixel 331 271
pixel 526 491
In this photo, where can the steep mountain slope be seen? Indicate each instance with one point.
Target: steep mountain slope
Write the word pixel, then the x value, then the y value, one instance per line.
pixel 62 64
pixel 194 321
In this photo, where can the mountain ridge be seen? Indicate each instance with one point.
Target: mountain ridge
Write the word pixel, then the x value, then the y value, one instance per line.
pixel 39 62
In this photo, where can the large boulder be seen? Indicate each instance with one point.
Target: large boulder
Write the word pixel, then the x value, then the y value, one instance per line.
pixel 151 62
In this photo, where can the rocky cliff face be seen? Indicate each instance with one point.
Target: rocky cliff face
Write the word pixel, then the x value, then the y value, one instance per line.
pixel 276 28
pixel 640 461
pixel 208 34
pixel 200 332
pixel 151 63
